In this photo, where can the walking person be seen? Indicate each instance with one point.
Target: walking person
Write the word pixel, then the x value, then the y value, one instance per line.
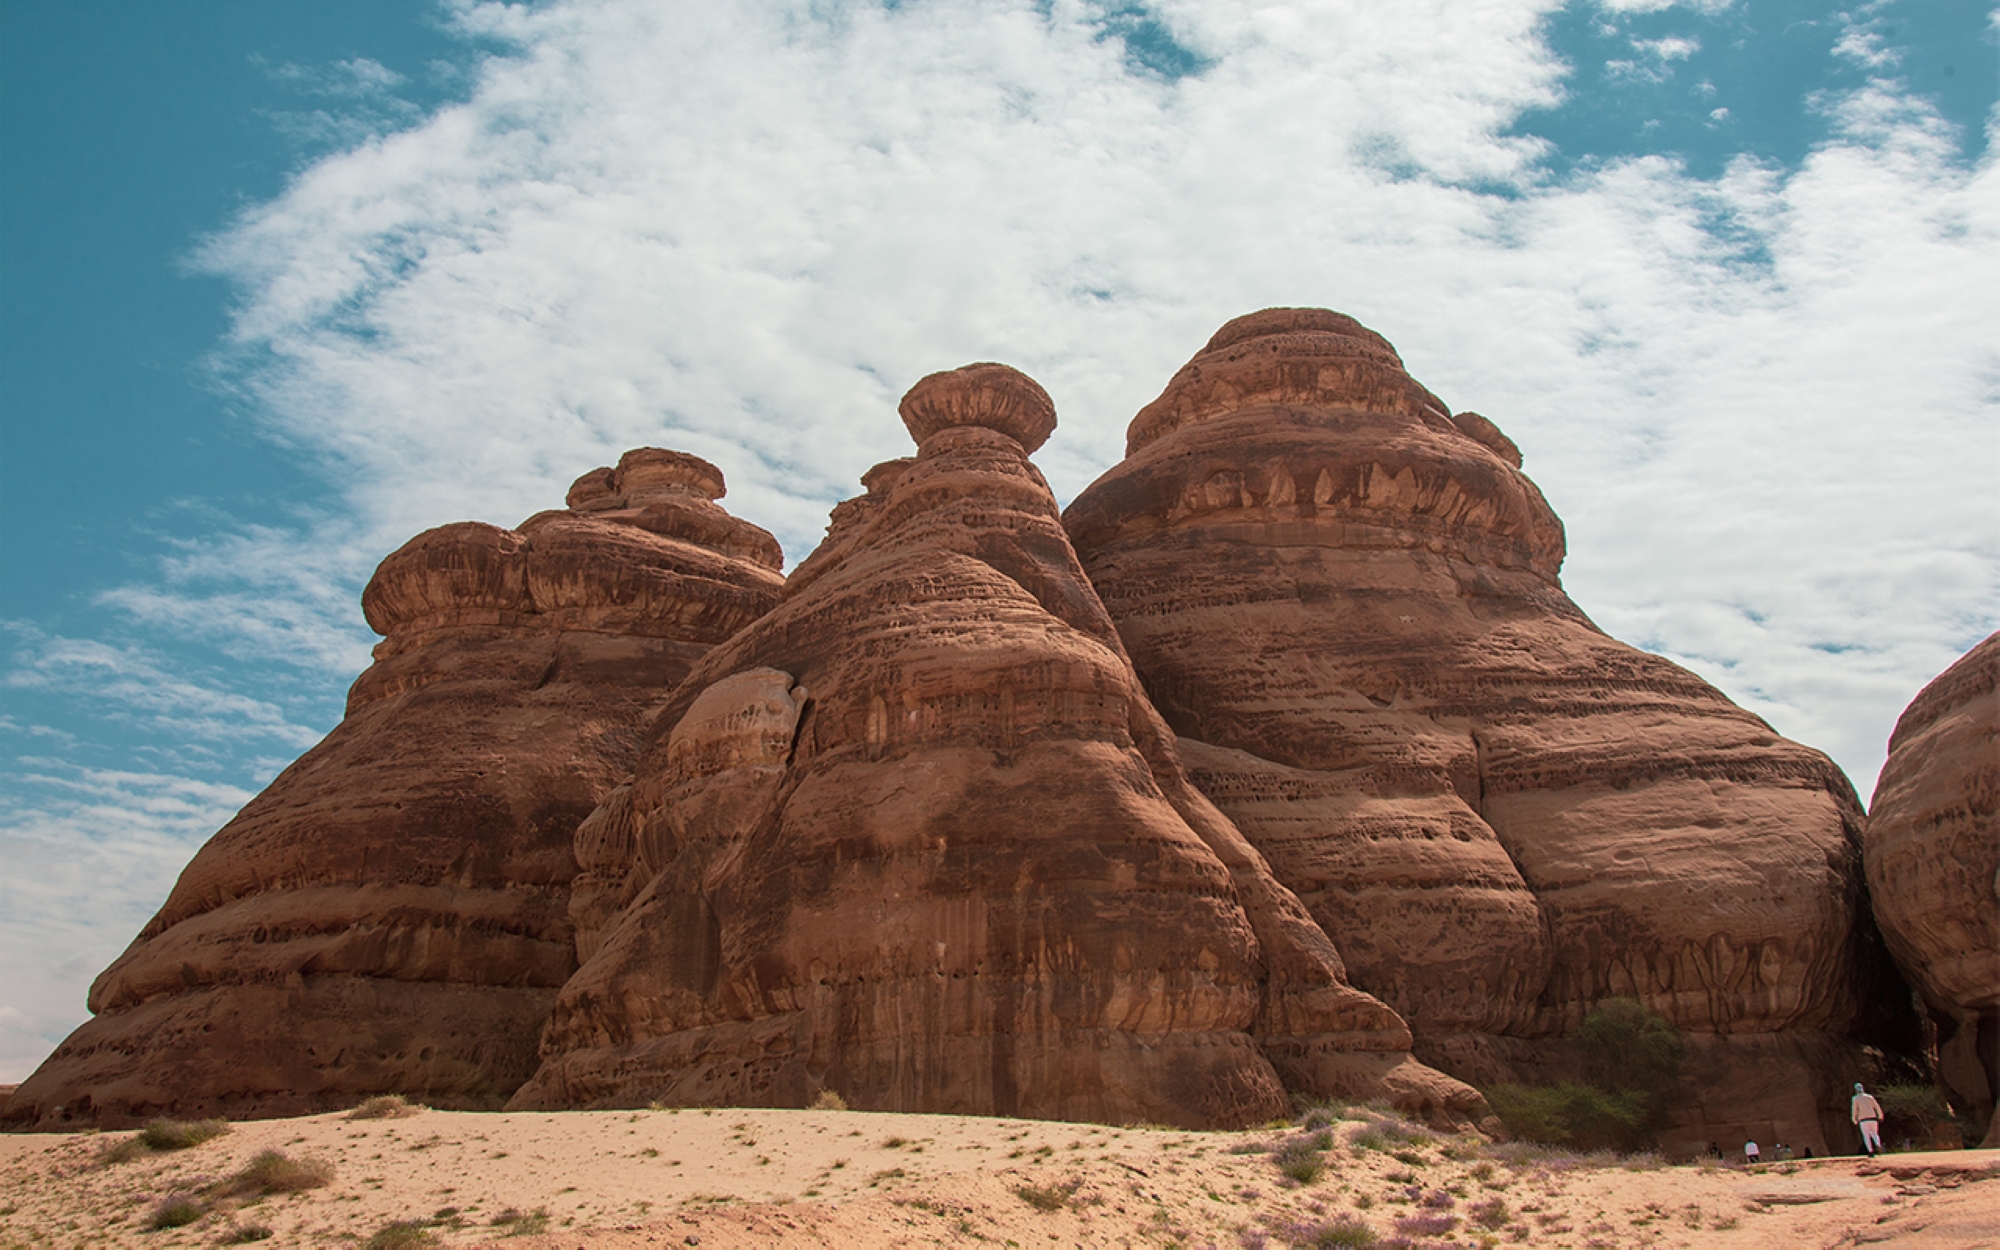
pixel 1866 1114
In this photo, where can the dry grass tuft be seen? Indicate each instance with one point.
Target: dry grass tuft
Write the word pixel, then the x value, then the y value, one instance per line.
pixel 384 1107
pixel 275 1172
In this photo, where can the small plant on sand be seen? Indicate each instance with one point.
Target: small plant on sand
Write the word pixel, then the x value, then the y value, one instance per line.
pixel 243 1234
pixel 1490 1212
pixel 165 1135
pixel 1053 1196
pixel 275 1172
pixel 1346 1232
pixel 1299 1159
pixel 175 1211
pixel 401 1235
pixel 828 1100
pixel 1426 1224
pixel 518 1224
pixel 384 1107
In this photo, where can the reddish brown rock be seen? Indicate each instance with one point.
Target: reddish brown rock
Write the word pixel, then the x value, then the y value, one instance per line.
pixel 391 914
pixel 917 837
pixel 1933 855
pixel 1345 600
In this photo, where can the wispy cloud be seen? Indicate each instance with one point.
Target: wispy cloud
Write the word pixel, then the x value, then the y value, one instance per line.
pixel 90 854
pixel 127 684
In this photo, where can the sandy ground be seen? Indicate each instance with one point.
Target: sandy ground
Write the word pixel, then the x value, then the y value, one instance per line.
pixel 720 1177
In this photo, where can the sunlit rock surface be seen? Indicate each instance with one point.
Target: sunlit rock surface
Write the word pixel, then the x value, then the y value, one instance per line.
pixel 917 837
pixel 1933 853
pixel 1345 600
pixel 392 913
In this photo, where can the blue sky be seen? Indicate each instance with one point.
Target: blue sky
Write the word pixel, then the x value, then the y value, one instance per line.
pixel 284 283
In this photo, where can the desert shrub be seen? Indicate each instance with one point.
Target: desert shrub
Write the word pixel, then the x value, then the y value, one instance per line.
pixel 519 1224
pixel 384 1107
pixel 828 1100
pixel 243 1234
pixel 1630 1058
pixel 180 1134
pixel 1489 1212
pixel 175 1211
pixel 401 1235
pixel 1051 1197
pixel 1426 1224
pixel 1569 1114
pixel 1628 1047
pixel 1912 1111
pixel 275 1172
pixel 1299 1158
pixel 1346 1232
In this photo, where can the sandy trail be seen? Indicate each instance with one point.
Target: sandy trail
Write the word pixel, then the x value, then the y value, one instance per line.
pixel 727 1177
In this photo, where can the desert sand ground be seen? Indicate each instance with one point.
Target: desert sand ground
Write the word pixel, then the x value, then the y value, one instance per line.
pixel 723 1177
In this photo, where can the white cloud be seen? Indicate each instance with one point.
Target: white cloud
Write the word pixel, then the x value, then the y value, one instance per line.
pixel 126 684
pixel 90 855
pixel 1763 404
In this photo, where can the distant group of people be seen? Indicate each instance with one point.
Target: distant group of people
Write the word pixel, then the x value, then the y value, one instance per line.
pixel 1862 1111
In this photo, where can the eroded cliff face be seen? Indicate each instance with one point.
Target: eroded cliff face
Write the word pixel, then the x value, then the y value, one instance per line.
pixel 917 837
pixel 1345 600
pixel 391 913
pixel 1933 855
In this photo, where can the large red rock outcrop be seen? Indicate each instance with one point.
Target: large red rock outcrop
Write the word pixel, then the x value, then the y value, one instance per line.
pixel 1345 600
pixel 1933 855
pixel 917 837
pixel 391 913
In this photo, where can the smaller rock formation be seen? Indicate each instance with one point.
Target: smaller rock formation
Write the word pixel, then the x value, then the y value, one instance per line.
pixel 1933 857
pixel 916 836
pixel 391 913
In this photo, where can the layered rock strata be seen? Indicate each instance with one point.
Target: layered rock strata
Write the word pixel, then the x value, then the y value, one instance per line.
pixel 1345 600
pixel 917 837
pixel 1933 856
pixel 391 913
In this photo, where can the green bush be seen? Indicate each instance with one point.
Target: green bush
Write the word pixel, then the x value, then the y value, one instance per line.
pixel 1579 1117
pixel 1912 1112
pixel 1630 1057
pixel 1626 1047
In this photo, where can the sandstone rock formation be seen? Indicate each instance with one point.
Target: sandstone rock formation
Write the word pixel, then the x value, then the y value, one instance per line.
pixel 391 913
pixel 1345 600
pixel 917 837
pixel 1933 856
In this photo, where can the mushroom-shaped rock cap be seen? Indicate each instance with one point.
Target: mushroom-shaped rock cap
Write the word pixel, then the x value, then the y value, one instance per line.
pixel 994 396
pixel 649 471
pixel 1272 321
pixel 1312 357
